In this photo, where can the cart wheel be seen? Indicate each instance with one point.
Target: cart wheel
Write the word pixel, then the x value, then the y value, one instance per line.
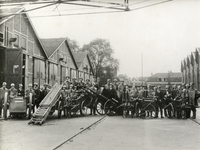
pixel 59 109
pixel 83 109
pixel 137 109
pixel 5 107
pixel 108 108
pixel 30 105
pixel 124 115
pixel 100 108
pixel 170 111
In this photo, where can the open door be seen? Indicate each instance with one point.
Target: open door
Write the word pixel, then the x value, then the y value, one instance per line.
pixel 14 66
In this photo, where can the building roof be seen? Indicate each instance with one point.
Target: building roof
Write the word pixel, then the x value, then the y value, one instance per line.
pixel 51 45
pixel 165 75
pixel 7 12
pixel 79 57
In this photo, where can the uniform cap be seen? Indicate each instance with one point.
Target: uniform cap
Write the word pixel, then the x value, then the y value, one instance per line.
pixel 20 85
pixel 4 83
pixel 30 85
pixel 12 84
pixel 36 83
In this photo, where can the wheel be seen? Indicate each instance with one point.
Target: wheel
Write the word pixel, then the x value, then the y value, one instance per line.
pixel 30 105
pixel 108 108
pixel 152 111
pixel 5 107
pixel 136 109
pixel 59 109
pixel 170 110
pixel 125 110
pixel 84 109
pixel 100 108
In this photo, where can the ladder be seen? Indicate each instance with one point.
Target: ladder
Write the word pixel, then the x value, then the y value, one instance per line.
pixel 46 104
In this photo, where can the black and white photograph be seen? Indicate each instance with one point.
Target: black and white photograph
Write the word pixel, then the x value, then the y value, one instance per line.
pixel 99 74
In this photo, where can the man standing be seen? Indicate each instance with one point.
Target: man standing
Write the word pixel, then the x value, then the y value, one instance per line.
pixel 3 89
pixel 192 94
pixel 121 89
pixel 159 102
pixel 12 92
pixel 44 92
pixel 27 94
pixel 20 91
pixel 37 95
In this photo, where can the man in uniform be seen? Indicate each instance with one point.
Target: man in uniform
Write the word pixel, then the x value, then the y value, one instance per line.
pixel 27 93
pixel 159 102
pixel 20 91
pixel 64 95
pixel 3 89
pixel 167 97
pixel 88 84
pixel 81 84
pixel 67 82
pixel 12 92
pixel 192 94
pixel 44 92
pixel 37 95
pixel 121 89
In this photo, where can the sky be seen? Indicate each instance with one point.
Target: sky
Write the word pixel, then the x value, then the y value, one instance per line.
pixel 145 41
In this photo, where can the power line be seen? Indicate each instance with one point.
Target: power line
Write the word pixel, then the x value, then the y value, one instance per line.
pixel 82 9
pixel 103 11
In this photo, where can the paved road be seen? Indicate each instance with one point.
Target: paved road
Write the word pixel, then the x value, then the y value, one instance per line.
pixel 158 134
pixel 111 133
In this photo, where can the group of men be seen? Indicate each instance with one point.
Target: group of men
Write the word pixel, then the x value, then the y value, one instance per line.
pixel 37 94
pixel 186 92
pixel 117 90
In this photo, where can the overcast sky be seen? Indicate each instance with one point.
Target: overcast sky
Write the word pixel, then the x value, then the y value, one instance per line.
pixel 164 34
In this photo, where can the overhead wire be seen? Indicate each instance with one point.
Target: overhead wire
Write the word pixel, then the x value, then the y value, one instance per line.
pixel 88 13
pixel 103 11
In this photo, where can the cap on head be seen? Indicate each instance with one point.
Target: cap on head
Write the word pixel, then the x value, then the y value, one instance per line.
pixel 115 80
pixel 174 86
pixel 20 85
pixel 30 85
pixel 35 84
pixel 187 85
pixel 4 83
pixel 12 84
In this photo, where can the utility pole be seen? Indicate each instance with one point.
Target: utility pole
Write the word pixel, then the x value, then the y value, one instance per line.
pixel 142 67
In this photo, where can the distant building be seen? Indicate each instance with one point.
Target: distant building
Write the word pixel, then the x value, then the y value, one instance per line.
pixel 140 81
pixel 190 68
pixel 163 79
pixel 85 69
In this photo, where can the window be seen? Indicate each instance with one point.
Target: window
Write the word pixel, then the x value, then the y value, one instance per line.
pixel 16 44
pixel 23 43
pixel 1 37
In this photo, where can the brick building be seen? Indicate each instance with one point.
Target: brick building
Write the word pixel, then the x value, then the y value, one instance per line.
pixel 25 58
